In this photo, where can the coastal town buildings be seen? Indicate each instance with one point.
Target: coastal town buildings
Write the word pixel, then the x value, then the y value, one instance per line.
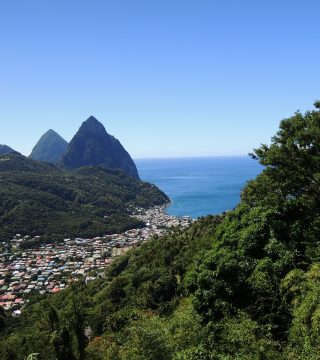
pixel 50 268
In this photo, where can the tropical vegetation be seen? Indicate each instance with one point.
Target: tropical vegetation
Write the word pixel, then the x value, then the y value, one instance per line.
pixel 39 199
pixel 243 285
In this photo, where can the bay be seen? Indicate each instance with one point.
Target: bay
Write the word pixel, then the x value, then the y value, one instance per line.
pixel 199 186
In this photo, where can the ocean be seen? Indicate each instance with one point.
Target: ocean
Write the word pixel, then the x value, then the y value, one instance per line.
pixel 200 186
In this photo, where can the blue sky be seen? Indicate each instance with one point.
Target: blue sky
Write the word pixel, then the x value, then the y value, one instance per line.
pixel 167 78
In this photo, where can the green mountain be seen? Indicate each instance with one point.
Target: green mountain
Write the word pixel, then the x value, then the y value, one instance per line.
pixel 37 198
pixel 243 286
pixel 50 147
pixel 5 149
pixel 92 145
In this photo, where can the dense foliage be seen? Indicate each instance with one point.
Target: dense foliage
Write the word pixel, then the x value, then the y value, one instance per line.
pixel 140 292
pixel 265 251
pixel 242 286
pixel 39 199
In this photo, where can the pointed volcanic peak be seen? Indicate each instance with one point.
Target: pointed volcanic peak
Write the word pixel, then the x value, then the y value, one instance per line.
pixel 50 147
pixel 93 146
pixel 5 149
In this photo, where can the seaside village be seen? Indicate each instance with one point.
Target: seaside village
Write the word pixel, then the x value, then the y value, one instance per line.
pixel 51 268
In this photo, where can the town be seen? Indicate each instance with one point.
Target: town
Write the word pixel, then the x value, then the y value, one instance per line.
pixel 51 268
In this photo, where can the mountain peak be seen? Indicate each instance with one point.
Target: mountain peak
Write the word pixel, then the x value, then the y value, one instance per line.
pixel 51 132
pixel 49 148
pixel 91 118
pixel 93 146
pixel 92 125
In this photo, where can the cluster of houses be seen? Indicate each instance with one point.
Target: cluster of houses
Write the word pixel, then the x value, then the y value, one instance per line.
pixel 51 268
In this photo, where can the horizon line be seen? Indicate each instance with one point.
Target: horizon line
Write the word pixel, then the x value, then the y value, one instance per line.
pixel 188 157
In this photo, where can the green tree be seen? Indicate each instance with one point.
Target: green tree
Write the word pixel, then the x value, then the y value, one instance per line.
pixel 274 230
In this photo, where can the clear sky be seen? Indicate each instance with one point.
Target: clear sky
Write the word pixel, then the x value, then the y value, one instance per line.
pixel 166 77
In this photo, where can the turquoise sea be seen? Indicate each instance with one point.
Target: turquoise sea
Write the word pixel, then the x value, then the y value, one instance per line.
pixel 200 186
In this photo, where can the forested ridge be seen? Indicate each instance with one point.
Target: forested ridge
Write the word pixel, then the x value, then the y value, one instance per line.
pixel 243 285
pixel 37 198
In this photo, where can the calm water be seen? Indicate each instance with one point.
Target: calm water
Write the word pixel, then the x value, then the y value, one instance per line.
pixel 199 186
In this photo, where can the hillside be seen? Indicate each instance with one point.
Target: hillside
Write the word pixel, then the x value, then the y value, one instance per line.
pixel 50 147
pixel 241 286
pixel 5 149
pixel 146 284
pixel 92 145
pixel 37 198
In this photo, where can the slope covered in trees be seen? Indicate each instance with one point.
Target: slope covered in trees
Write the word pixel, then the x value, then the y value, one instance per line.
pixel 146 284
pixel 241 286
pixel 5 149
pixel 37 198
